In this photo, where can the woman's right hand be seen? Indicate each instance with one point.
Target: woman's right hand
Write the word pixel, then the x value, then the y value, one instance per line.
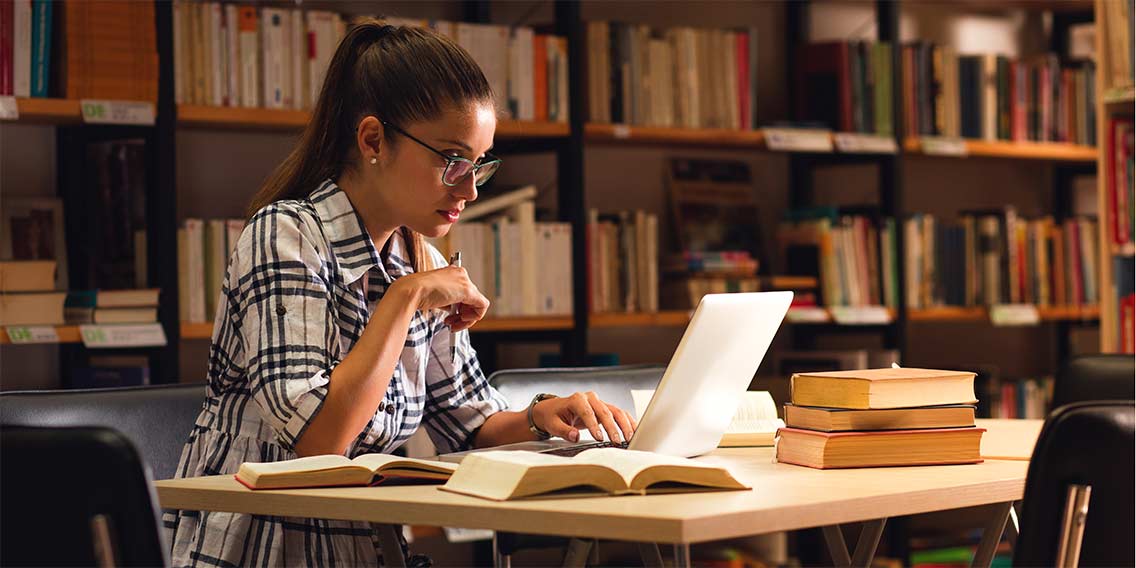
pixel 445 288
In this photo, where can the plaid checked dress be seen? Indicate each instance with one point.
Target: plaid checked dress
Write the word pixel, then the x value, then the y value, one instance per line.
pixel 300 288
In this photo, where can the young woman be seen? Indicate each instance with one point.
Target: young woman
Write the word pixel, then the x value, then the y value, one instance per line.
pixel 335 329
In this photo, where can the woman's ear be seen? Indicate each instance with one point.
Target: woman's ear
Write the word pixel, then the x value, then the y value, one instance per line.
pixel 369 138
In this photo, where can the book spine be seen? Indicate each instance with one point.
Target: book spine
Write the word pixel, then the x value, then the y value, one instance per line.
pixel 41 48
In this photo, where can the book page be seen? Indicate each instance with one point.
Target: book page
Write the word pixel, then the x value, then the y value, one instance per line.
pixel 376 461
pixel 311 463
pixel 629 463
pixel 756 411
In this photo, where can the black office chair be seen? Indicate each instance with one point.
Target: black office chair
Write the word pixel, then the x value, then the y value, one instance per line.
pixel 76 497
pixel 156 419
pixel 1096 377
pixel 1078 505
pixel 612 384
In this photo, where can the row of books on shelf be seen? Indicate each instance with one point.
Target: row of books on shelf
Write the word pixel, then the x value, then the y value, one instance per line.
pixel 682 76
pixel 106 50
pixel 28 296
pixel 623 261
pixel 1016 398
pixel 847 85
pixel 204 248
pixel 988 258
pixel 276 57
pixel 524 267
pixel 983 258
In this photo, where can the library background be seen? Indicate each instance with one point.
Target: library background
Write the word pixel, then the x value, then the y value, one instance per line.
pixel 942 184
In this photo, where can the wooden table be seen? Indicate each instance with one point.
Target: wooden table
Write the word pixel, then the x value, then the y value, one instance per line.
pixel 784 497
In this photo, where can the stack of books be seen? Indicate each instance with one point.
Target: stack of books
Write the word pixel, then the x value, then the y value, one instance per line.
pixel 28 294
pixel 112 306
pixel 880 418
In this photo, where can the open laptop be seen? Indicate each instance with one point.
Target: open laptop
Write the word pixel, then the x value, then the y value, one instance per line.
pixel 698 395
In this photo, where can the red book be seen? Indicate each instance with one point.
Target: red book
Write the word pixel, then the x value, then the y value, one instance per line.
pixel 879 448
pixel 824 87
pixel 6 39
pixel 1127 322
pixel 540 77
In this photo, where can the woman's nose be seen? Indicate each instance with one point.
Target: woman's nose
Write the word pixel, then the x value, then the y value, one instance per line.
pixel 467 189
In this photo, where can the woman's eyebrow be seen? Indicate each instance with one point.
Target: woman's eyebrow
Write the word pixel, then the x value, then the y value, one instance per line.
pixel 461 144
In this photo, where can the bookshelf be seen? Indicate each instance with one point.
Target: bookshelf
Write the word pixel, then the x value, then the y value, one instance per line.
pixel 1047 151
pixel 599 133
pixel 47 111
pixel 266 119
pixel 513 324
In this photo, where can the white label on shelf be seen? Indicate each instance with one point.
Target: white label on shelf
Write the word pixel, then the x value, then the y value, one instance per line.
pixel 798 139
pixel 117 112
pixel 939 146
pixel 860 315
pixel 621 131
pixel 32 334
pixel 1014 314
pixel 9 110
pixel 854 143
pixel 807 314
pixel 134 335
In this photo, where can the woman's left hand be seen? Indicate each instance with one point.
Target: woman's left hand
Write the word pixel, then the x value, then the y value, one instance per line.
pixel 563 416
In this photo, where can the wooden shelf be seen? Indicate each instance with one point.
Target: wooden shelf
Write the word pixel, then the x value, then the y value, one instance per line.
pixel 66 333
pixel 947 313
pixel 665 318
pixel 238 118
pixel 534 323
pixel 1051 151
pixel 47 111
pixel 981 314
pixel 657 135
pixel 1122 98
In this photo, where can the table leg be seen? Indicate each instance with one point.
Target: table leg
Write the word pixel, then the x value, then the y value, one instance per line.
pixel 682 555
pixel 392 549
pixel 837 550
pixel 991 535
pixel 649 553
pixel 866 544
pixel 577 554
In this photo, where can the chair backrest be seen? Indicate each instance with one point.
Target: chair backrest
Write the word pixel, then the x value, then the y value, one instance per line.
pixel 69 493
pixel 156 419
pixel 1086 443
pixel 612 384
pixel 1096 377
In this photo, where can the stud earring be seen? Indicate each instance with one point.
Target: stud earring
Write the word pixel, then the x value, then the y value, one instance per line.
pixel 374 160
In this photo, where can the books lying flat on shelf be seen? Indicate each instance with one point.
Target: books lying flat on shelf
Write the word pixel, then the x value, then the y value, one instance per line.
pixel 883 388
pixel 504 475
pixel 141 298
pixel 333 470
pixel 27 275
pixel 755 422
pixel 32 308
pixel 843 419
pixel 824 450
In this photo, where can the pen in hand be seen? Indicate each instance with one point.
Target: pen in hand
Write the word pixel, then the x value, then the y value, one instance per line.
pixel 455 260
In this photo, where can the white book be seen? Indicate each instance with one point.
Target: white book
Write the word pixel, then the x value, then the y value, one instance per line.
pixel 183 274
pixel 195 263
pixel 521 72
pixel 22 48
pixel 272 53
pixel 249 53
pixel 287 52
pixel 218 73
pixel 232 56
pixel 233 230
pixel 524 214
pixel 485 240
pixel 216 257
pixel 321 32
pixel 562 268
pixel 298 59
pixel 545 277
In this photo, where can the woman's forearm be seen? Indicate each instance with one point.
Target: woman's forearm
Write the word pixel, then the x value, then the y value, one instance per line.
pixel 504 427
pixel 360 381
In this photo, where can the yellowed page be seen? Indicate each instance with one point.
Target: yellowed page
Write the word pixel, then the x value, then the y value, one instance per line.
pixel 312 463
pixel 629 463
pixel 376 461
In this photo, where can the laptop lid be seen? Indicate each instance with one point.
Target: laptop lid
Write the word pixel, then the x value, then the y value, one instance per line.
pixel 713 365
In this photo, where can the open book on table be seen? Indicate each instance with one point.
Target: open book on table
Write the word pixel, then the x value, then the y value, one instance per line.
pixel 333 470
pixel 505 475
pixel 754 424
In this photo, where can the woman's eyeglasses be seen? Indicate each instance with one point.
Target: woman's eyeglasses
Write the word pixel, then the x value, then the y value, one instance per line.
pixel 457 167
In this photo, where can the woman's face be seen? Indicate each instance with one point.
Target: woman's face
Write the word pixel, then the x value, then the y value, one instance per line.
pixel 423 202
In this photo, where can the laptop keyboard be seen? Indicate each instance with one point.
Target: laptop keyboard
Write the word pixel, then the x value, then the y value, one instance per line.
pixel 569 451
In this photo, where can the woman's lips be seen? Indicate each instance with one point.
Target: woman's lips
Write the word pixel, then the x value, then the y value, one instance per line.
pixel 450 215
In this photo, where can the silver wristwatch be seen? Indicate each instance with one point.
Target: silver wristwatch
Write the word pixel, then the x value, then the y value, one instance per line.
pixel 536 430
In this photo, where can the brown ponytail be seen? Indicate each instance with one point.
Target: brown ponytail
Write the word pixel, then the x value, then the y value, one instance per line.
pixel 398 74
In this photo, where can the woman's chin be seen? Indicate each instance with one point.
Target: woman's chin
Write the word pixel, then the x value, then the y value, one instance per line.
pixel 433 231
